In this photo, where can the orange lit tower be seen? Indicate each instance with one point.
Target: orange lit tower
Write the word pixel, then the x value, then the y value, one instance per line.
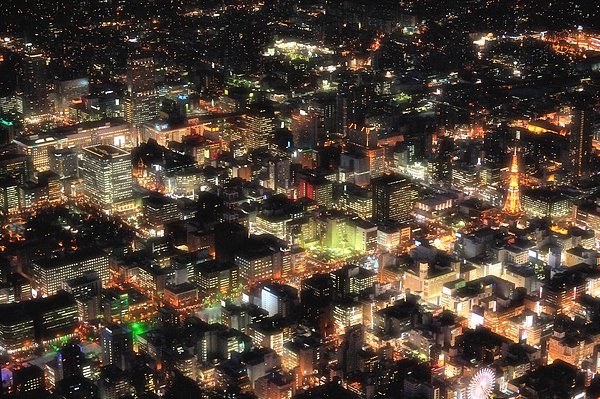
pixel 512 205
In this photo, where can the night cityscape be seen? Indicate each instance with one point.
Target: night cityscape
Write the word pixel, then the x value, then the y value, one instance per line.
pixel 307 199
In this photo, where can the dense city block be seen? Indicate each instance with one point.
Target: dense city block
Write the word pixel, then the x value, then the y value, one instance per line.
pixel 307 199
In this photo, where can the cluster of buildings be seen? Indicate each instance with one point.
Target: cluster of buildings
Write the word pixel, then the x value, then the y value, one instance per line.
pixel 281 200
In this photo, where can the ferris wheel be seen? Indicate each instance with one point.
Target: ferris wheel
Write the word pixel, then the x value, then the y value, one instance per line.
pixel 482 384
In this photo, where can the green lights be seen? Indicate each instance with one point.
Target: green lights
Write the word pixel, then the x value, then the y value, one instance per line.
pixel 401 97
pixel 240 82
pixel 138 328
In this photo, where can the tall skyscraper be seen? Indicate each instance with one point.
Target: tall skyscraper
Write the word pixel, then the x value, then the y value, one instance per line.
pixel 349 351
pixel 580 144
pixel 259 127
pixel 393 198
pixel 142 100
pixel 279 173
pixel 305 128
pixel 34 83
pixel 9 196
pixel 116 342
pixel 363 141
pixel 106 172
pixel 512 204
pixel 63 162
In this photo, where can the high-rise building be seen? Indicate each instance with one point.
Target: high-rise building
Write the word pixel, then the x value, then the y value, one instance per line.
pixel 143 379
pixel 213 276
pixel 16 329
pixel 54 318
pixel 77 387
pixel 275 385
pixel 34 83
pixel 316 188
pixel 352 279
pixel 393 198
pixel 106 172
pixel 63 162
pixel 305 128
pixel 279 174
pixel 362 136
pixel 260 262
pixel 278 299
pixel 546 203
pixel 580 144
pixel 363 144
pixel 255 265
pixel 14 165
pixel 50 186
pixel 9 196
pixel 116 342
pixel 561 294
pixel 349 351
pixel 37 149
pixel 259 127
pixel 317 288
pixel 142 100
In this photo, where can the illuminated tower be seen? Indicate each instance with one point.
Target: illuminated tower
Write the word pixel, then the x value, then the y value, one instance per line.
pixel 512 205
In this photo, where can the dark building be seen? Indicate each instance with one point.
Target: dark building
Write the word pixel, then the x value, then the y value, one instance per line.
pixel 70 360
pixel 34 83
pixel 64 162
pixel 28 381
pixel 113 383
pixel 556 380
pixel 349 351
pixel 77 388
pixel 38 320
pixel 580 144
pixel 393 198
pixel 318 287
